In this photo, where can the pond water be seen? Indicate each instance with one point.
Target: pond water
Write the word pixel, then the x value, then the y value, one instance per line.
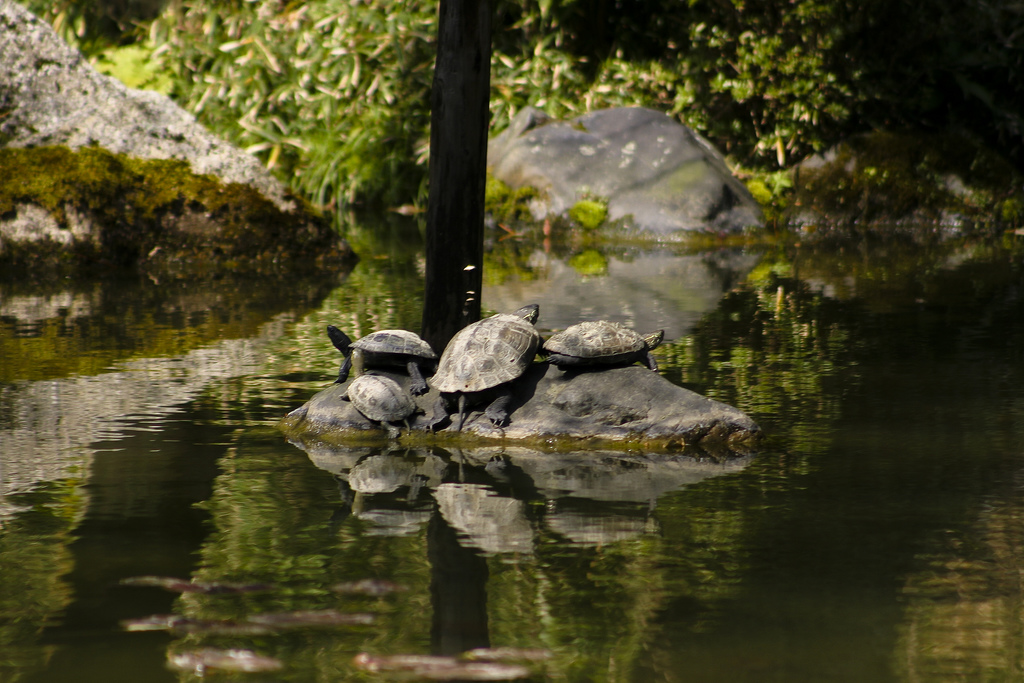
pixel 876 535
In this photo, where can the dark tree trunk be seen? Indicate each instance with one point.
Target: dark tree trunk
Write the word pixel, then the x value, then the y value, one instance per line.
pixel 458 161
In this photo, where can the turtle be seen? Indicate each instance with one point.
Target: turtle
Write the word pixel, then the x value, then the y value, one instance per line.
pixel 601 342
pixel 480 361
pixel 381 399
pixel 385 348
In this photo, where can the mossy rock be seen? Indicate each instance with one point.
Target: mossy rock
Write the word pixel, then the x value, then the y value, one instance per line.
pixel 888 177
pixel 86 208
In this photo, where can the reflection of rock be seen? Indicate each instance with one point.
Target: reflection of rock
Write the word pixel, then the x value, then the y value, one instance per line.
pixel 626 404
pixel 52 406
pixel 391 522
pixel 593 497
pixel 650 168
pixel 609 475
pixel 50 423
pixel 590 529
pixel 386 473
pixel 491 522
pixel 645 291
pixel 336 460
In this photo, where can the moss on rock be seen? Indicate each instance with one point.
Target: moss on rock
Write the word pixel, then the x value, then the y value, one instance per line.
pixel 589 213
pixel 112 209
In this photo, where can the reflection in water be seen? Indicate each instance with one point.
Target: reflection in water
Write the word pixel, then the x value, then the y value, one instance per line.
pixel 963 618
pixel 458 592
pixel 488 494
pixel 646 291
pixel 876 538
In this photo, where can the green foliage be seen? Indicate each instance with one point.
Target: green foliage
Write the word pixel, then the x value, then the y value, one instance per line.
pixel 772 190
pixel 335 94
pixel 93 26
pixel 135 66
pixel 888 176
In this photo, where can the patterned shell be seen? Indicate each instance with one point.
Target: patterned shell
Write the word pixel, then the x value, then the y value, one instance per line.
pixel 380 398
pixel 595 340
pixel 396 341
pixel 487 353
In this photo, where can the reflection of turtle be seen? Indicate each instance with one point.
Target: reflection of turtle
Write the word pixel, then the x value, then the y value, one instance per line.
pixel 480 361
pixel 602 343
pixel 386 348
pixel 381 399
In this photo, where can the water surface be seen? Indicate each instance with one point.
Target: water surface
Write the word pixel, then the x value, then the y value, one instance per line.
pixel 877 535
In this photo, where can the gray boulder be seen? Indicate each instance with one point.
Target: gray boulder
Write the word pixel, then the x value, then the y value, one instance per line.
pixel 52 98
pixel 656 174
pixel 613 405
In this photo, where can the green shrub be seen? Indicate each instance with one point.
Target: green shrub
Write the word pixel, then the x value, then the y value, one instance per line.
pixel 334 94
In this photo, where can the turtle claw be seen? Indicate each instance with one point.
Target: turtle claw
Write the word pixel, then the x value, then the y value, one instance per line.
pixel 440 418
pixel 417 385
pixel 498 419
pixel 497 412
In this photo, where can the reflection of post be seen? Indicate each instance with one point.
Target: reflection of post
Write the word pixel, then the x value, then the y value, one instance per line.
pixel 458 159
pixel 458 591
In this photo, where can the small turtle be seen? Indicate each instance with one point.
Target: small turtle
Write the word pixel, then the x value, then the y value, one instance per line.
pixel 601 343
pixel 479 362
pixel 386 348
pixel 381 399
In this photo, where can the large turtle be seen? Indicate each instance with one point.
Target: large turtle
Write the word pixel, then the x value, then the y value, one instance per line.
pixel 601 342
pixel 386 348
pixel 480 361
pixel 381 399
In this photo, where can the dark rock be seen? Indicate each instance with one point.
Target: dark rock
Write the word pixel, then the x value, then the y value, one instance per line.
pixel 53 100
pixel 656 174
pixel 615 405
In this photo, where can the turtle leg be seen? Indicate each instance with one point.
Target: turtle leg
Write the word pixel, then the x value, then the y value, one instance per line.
pixel 417 384
pixel 393 431
pixel 462 412
pixel 650 362
pixel 497 412
pixel 343 370
pixel 439 415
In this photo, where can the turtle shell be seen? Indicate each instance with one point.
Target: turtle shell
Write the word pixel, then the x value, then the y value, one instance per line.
pixel 398 342
pixel 596 340
pixel 487 353
pixel 380 398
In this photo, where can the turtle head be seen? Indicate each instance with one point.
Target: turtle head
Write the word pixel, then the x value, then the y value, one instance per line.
pixel 528 313
pixel 339 339
pixel 654 339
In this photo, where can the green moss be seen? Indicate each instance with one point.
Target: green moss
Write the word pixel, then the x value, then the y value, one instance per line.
pixel 589 213
pixel 506 204
pixel 155 210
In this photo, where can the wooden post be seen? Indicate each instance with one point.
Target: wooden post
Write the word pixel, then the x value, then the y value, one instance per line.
pixel 458 169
